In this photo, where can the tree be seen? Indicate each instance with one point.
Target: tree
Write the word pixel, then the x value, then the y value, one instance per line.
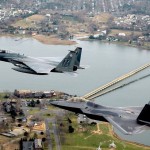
pixel 19 125
pixel 43 139
pixel 38 101
pixel 21 113
pixel 71 129
pixel 13 112
pixel 92 27
pixel 35 136
pixel 69 121
pixel 32 103
pixel 91 37
pixel 26 134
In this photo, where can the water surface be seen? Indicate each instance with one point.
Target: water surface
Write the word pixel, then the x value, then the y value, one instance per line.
pixel 106 61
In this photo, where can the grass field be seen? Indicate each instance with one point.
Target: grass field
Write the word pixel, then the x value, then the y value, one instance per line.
pixel 89 140
pixel 102 18
pixel 85 137
pixel 2 96
pixel 29 22
pixel 127 32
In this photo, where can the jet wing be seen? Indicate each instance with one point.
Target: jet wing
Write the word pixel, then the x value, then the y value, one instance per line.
pixel 127 126
pixel 39 67
pixel 124 119
pixel 33 64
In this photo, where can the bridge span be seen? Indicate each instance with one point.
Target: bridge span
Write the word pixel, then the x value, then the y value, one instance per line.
pixel 95 93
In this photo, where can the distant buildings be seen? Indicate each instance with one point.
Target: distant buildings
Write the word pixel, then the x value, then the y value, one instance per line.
pixel 35 144
pixel 34 94
pixel 82 119
pixel 27 145
pixel 8 13
pixel 39 127
pixel 133 22
pixel 38 144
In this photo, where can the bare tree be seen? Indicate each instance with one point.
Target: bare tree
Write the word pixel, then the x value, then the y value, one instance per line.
pixel 92 27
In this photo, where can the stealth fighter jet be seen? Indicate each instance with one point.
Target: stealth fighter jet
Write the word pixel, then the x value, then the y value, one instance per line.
pixel 43 65
pixel 129 120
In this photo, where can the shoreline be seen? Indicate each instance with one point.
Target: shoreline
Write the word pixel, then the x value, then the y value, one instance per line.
pixel 129 142
pixel 115 135
pixel 119 43
pixel 53 40
pixel 49 40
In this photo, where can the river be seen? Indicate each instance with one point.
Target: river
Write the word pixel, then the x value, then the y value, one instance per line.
pixel 106 62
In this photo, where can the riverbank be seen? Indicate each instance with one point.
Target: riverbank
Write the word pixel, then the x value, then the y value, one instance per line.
pixel 54 40
pixel 87 137
pixel 146 45
pixel 50 40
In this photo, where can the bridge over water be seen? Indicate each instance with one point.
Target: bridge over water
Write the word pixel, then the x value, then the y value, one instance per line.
pixel 103 89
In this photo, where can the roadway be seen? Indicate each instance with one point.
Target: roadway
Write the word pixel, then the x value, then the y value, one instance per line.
pixel 48 133
pixel 53 130
pixel 56 134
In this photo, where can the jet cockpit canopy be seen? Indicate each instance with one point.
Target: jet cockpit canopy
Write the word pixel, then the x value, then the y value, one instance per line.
pixel 5 51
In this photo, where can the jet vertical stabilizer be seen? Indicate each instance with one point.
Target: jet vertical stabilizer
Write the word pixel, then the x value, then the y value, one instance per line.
pixel 78 51
pixel 144 117
pixel 70 62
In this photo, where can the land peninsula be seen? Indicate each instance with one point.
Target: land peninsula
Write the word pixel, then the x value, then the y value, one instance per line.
pixel 63 31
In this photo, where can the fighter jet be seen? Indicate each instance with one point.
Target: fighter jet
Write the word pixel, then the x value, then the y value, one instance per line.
pixel 43 65
pixel 129 120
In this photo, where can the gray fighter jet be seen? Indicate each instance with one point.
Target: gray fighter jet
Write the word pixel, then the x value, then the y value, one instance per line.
pixel 129 120
pixel 43 65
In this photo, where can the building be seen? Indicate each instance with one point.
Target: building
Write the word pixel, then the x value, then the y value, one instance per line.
pixel 83 119
pixel 31 144
pixel 34 94
pixel 38 144
pixel 23 93
pixel 27 145
pixel 39 127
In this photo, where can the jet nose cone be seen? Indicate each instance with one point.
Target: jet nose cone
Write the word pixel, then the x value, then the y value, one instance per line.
pixel 56 102
pixel 53 102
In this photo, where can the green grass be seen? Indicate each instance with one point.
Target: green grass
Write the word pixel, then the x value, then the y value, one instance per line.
pixel 104 128
pixel 77 141
pixel 70 18
pixel 127 32
pixel 33 110
pixel 2 96
pixel 87 140
pixel 24 23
